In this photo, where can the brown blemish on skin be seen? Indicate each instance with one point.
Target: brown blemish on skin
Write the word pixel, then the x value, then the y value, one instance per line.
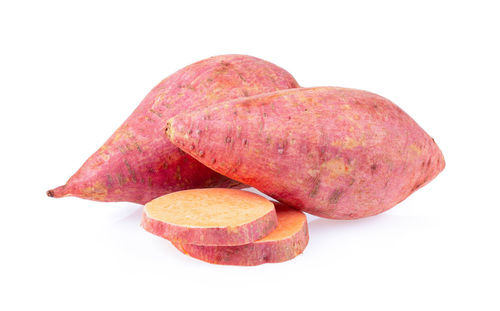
pixel 138 147
pixel 157 113
pixel 322 150
pixel 121 179
pixel 418 185
pixel 314 190
pixel 130 170
pixel 242 78
pixel 282 146
pixel 335 196
pixel 373 167
pixel 178 173
pixel 228 140
pixel 315 187
pixel 109 181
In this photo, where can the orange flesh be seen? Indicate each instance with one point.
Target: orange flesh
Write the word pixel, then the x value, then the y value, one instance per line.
pixel 208 208
pixel 290 221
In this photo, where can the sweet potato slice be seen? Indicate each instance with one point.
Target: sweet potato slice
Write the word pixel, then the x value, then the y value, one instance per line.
pixel 287 241
pixel 213 216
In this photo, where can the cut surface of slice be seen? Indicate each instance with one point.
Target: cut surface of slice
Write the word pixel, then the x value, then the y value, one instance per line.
pixel 212 216
pixel 288 240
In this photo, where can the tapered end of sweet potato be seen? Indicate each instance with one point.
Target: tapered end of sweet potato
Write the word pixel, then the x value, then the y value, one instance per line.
pixel 58 192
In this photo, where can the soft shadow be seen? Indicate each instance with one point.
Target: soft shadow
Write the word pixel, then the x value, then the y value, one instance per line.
pixel 133 217
pixel 323 225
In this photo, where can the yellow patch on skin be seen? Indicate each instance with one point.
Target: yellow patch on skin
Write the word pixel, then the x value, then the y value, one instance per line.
pixel 313 172
pixel 416 149
pixel 158 100
pixel 347 142
pixel 122 132
pixel 336 167
pixel 170 130
pixel 346 106
pixel 232 229
pixel 96 192
pixel 105 157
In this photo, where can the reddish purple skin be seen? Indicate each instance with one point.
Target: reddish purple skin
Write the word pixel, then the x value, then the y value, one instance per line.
pixel 138 164
pixel 223 236
pixel 252 254
pixel 332 152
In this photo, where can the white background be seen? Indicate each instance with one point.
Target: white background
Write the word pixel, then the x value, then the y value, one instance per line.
pixel 70 73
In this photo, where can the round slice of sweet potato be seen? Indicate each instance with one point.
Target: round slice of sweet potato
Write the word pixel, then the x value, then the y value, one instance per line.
pixel 214 217
pixel 287 241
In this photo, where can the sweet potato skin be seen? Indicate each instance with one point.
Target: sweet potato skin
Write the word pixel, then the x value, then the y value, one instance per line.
pixel 217 236
pixel 137 163
pixel 333 152
pixel 252 254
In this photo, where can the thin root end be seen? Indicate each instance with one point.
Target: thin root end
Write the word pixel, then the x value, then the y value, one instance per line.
pixel 58 192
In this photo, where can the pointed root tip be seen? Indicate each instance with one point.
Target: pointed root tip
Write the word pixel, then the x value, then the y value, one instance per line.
pixel 56 192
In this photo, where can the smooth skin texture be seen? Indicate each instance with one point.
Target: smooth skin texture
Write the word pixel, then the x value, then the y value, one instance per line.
pixel 213 216
pixel 288 240
pixel 332 152
pixel 137 163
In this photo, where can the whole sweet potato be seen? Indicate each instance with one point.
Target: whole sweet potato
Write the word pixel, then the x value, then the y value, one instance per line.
pixel 333 152
pixel 137 163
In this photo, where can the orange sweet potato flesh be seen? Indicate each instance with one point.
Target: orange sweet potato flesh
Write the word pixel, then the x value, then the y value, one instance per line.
pixel 137 163
pixel 287 241
pixel 213 216
pixel 332 152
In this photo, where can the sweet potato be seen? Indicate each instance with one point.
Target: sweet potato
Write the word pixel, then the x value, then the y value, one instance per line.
pixel 287 241
pixel 213 216
pixel 332 152
pixel 137 163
